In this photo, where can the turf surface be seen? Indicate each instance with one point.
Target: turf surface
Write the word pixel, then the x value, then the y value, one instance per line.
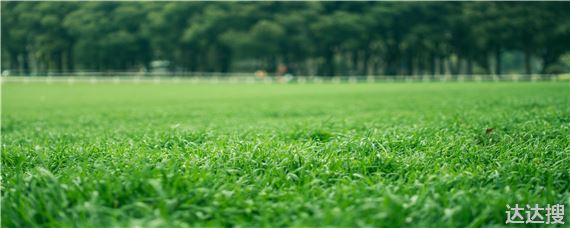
pixel 385 155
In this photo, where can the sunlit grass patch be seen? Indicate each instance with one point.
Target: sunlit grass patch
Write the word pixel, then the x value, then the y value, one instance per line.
pixel 308 155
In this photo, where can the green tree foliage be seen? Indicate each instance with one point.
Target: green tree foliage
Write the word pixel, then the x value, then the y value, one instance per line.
pixel 325 38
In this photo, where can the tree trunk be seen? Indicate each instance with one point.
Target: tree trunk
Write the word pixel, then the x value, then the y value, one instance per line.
pixel 14 63
pixel 442 66
pixel 391 66
pixel 527 66
pixel 69 55
pixel 469 66
pixel 456 68
pixel 485 62
pixel 26 62
pixel 329 63
pixel 498 62
pixel 392 60
pixel 365 60
pixel 417 65
pixel 432 65
pixel 225 60
pixel 410 65
pixel 59 61
pixel 547 60
pixel 376 67
pixel 354 64
pixel 192 65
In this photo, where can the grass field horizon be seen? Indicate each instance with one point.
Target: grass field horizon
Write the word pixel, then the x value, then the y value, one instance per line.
pixel 370 154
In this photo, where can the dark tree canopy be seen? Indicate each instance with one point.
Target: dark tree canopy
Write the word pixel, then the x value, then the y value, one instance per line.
pixel 323 38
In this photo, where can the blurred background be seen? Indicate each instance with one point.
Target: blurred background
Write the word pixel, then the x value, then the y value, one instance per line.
pixel 285 38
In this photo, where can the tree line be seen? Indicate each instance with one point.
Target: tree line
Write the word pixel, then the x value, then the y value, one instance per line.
pixel 309 38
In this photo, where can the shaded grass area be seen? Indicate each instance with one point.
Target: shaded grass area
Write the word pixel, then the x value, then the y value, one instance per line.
pixel 293 155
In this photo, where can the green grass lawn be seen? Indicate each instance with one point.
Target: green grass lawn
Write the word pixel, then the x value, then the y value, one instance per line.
pixel 399 154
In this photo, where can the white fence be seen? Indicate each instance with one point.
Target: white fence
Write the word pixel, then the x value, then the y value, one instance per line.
pixel 250 78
